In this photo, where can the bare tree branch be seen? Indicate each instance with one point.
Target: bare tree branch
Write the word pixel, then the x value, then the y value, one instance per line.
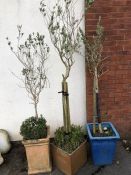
pixel 64 30
pixel 32 54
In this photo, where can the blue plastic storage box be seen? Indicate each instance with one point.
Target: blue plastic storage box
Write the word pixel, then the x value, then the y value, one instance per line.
pixel 103 148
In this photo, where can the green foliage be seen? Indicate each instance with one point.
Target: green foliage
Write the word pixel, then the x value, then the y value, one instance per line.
pixel 34 128
pixel 64 29
pixel 71 141
pixel 89 1
pixel 65 34
pixel 32 53
pixel 94 48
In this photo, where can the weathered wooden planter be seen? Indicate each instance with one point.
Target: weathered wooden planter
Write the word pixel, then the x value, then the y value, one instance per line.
pixel 38 155
pixel 70 163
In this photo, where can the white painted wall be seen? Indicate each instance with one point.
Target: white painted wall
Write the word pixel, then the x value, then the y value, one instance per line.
pixel 14 103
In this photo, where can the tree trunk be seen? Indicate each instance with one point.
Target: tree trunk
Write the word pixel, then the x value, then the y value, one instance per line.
pixel 98 112
pixel 66 109
pixel 96 105
pixel 36 112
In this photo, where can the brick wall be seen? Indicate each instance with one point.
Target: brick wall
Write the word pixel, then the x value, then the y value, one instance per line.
pixel 115 85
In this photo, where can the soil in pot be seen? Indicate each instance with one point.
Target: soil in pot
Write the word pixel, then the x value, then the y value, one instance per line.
pixel 107 131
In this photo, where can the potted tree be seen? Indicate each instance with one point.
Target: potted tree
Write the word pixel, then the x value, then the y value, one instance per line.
pixel 32 54
pixel 65 33
pixel 102 135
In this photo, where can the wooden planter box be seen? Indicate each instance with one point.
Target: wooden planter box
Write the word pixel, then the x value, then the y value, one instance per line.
pixel 38 155
pixel 70 163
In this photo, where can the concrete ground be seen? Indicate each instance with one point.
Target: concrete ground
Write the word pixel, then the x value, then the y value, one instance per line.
pixel 16 164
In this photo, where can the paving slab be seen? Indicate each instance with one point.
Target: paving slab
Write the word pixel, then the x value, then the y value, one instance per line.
pixel 16 164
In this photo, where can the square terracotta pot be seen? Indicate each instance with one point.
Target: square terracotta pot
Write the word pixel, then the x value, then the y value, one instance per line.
pixel 38 155
pixel 69 163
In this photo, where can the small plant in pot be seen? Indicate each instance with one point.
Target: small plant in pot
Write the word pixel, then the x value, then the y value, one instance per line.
pixel 65 33
pixel 102 135
pixel 33 54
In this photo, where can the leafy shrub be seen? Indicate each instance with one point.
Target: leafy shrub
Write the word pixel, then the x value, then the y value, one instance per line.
pixel 69 142
pixel 34 128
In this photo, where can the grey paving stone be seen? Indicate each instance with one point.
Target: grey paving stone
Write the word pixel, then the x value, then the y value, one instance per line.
pixel 16 164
